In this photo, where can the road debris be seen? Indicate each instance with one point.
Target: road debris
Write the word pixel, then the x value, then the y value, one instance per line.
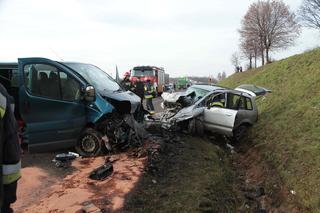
pixel 64 159
pixel 102 172
pixel 89 207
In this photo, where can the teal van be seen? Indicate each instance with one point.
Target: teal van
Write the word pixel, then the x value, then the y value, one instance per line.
pixel 60 105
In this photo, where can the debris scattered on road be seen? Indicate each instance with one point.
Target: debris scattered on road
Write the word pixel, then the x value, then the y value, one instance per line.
pixel 64 159
pixel 89 207
pixel 231 148
pixel 154 181
pixel 102 172
pixel 293 192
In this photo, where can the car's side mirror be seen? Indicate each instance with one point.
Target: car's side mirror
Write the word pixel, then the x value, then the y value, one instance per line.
pixel 90 94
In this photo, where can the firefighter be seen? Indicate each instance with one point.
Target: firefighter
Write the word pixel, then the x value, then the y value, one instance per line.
pixel 126 83
pixel 218 101
pixel 148 95
pixel 10 163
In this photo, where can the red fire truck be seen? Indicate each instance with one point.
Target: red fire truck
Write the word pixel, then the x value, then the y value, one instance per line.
pixel 152 73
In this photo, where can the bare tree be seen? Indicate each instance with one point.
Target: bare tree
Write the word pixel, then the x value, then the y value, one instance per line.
pixel 235 59
pixel 309 13
pixel 219 76
pixel 270 25
pixel 250 51
pixel 223 75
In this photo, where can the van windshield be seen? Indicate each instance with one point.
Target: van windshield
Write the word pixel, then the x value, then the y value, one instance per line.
pixel 95 76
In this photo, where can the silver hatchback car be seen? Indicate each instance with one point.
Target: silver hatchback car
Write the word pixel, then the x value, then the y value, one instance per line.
pixel 228 112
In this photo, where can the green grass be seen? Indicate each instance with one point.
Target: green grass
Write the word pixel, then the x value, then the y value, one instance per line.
pixel 195 177
pixel 289 121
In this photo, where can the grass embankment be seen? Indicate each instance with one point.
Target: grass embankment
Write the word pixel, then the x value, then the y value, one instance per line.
pixel 193 176
pixel 288 131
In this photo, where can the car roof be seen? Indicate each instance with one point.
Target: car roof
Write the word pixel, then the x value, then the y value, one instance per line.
pixel 216 88
pixel 206 87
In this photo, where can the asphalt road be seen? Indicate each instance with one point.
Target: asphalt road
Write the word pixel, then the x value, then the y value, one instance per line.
pixel 156 103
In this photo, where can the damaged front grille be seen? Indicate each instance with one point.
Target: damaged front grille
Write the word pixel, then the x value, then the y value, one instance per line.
pixel 121 131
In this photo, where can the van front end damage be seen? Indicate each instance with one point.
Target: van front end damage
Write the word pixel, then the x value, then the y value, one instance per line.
pixel 113 124
pixel 120 131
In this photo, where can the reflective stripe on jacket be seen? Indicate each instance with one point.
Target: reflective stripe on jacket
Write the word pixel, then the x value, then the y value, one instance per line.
pixel 218 104
pixel 11 172
pixel 148 92
pixel 3 105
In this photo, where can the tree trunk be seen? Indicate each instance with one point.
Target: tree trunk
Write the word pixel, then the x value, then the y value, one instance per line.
pixel 250 61
pixel 262 57
pixel 267 56
pixel 255 60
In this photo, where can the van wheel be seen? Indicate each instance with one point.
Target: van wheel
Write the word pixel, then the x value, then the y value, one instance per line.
pixel 239 134
pixel 89 143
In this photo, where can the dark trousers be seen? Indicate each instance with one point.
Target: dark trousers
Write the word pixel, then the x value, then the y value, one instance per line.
pixel 149 104
pixel 142 97
pixel 10 196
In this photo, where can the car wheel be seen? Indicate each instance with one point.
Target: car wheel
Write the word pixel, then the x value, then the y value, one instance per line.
pixel 89 143
pixel 199 128
pixel 239 134
pixel 192 127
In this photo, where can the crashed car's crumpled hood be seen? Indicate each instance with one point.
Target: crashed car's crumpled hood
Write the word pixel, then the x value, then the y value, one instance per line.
pixel 184 114
pixel 123 101
pixel 172 97
pixel 183 98
pixel 187 113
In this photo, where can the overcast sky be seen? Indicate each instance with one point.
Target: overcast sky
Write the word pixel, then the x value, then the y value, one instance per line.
pixel 186 37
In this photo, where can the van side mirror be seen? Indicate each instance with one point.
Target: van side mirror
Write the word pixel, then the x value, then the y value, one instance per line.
pixel 90 94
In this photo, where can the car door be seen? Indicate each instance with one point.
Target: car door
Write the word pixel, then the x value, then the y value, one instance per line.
pixel 219 119
pixel 247 112
pixel 50 104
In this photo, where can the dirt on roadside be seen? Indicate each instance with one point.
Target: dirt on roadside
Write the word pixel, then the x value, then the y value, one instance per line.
pixel 46 188
pixel 261 184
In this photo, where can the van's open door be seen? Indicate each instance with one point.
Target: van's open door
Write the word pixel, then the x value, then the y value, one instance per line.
pixel 252 90
pixel 49 104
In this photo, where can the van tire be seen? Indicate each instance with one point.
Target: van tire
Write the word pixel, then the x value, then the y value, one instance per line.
pixel 89 143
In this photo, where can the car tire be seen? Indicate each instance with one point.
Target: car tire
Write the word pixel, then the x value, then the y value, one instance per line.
pixel 192 126
pixel 89 143
pixel 199 128
pixel 239 134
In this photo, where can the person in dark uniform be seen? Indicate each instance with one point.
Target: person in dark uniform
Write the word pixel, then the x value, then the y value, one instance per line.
pixel 149 95
pixel 139 89
pixel 10 163
pixel 126 83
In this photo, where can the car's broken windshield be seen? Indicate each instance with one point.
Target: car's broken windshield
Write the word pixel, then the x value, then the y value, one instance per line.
pixel 95 76
pixel 199 93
